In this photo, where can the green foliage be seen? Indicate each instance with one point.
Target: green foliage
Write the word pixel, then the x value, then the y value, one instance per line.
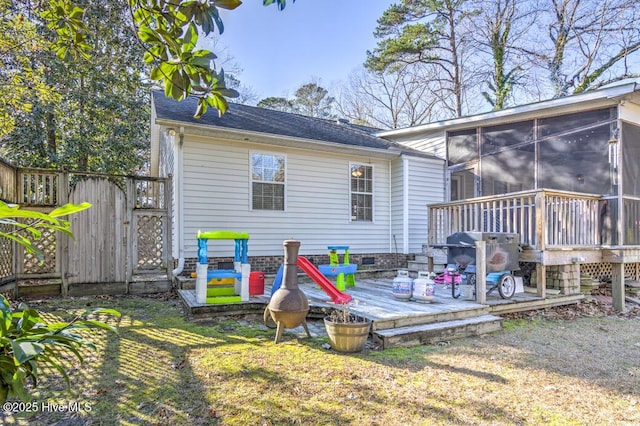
pixel 26 342
pixel 310 99
pixel 99 118
pixel 75 76
pixel 22 80
pixel 277 103
pixel 27 224
pixel 314 101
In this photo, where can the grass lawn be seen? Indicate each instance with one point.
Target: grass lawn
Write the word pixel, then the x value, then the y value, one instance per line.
pixel 162 369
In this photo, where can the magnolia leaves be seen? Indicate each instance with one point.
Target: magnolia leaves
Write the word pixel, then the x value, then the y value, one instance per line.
pixel 27 224
pixel 66 20
pixel 169 30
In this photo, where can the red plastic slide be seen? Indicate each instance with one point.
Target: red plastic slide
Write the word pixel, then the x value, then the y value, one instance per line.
pixel 336 295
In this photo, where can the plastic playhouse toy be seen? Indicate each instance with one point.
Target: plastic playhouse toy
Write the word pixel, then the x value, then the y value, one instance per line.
pixel 344 272
pixel 212 286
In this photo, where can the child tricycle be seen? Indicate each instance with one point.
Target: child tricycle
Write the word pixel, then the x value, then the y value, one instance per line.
pixel 455 276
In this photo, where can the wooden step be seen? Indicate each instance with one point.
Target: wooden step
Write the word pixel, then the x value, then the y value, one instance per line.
pixel 428 334
pixel 415 265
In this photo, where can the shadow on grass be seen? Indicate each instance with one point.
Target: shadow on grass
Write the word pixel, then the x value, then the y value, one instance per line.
pixel 162 369
pixel 151 373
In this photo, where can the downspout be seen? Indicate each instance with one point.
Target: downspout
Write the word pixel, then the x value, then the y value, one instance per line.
pixel 405 206
pixel 392 237
pixel 179 200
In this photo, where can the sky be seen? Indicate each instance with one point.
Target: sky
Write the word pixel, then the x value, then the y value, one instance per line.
pixel 310 40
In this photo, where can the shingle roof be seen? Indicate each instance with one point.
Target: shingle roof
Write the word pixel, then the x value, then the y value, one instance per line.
pixel 250 118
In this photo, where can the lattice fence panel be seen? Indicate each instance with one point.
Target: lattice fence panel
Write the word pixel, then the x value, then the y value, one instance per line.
pixel 150 243
pixel 6 255
pixel 47 244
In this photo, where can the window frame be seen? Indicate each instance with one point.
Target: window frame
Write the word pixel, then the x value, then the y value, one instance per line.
pixel 352 192
pixel 252 181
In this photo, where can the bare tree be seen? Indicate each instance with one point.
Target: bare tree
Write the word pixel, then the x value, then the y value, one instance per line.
pixel 389 99
pixel 502 26
pixel 431 33
pixel 590 43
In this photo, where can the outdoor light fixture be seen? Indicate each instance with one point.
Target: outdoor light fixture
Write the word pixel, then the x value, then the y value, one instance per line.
pixel 614 136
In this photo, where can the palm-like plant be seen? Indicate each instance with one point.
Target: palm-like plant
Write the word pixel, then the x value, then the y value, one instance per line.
pixel 27 342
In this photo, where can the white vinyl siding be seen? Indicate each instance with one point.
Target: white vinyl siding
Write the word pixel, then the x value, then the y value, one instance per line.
pixel 425 186
pixel 397 205
pixel 416 182
pixel 432 143
pixel 217 196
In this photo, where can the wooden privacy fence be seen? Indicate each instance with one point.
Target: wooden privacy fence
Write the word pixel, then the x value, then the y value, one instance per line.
pixel 125 234
pixel 542 218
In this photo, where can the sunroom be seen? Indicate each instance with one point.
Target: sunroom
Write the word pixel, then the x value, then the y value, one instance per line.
pixel 563 174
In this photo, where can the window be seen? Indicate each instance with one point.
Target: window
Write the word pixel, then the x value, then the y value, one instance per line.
pixel 267 181
pixel 361 178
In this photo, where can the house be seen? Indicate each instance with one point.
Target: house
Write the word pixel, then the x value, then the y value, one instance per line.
pixel 564 174
pixel 282 176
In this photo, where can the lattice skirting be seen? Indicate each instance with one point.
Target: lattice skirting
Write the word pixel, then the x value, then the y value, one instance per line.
pixel 603 270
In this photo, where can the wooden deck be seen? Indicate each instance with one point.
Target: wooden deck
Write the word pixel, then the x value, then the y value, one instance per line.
pixel 395 322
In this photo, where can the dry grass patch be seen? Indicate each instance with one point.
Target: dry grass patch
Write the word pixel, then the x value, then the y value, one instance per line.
pixel 162 369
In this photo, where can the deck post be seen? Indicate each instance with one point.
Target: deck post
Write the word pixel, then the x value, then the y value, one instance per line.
pixel 617 286
pixel 541 280
pixel 540 226
pixel 481 272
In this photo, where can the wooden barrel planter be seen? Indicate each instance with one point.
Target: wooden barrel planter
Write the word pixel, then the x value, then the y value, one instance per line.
pixel 347 336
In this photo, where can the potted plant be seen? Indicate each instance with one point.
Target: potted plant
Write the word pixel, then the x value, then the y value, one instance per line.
pixel 347 332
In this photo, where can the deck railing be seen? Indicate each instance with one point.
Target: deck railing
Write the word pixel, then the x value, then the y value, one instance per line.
pixel 542 218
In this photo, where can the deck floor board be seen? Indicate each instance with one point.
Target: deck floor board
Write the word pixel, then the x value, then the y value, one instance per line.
pixel 373 299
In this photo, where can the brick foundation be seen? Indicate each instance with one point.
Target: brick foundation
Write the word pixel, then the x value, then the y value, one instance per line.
pixel 270 264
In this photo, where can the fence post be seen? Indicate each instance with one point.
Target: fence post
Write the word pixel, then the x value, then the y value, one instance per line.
pixel 62 248
pixel 130 232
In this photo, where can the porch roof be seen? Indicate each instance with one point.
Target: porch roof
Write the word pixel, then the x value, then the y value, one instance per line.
pixel 609 95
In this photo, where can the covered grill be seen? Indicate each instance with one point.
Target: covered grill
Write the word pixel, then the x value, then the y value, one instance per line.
pixel 502 250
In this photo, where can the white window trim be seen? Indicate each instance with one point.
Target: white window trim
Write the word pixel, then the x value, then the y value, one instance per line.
pixel 286 179
pixel 373 190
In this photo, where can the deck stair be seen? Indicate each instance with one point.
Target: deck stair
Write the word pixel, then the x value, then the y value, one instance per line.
pixel 421 263
pixel 428 334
